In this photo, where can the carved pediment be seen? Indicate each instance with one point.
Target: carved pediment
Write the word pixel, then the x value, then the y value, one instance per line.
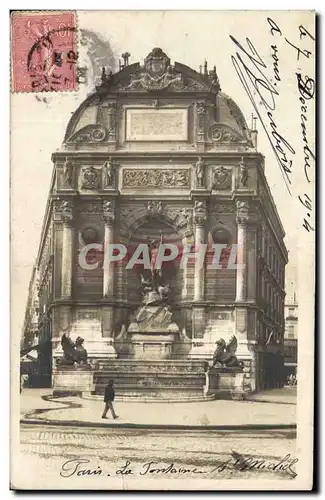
pixel 89 133
pixel 221 133
pixel 158 74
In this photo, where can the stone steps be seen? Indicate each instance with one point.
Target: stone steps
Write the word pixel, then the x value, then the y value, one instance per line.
pixel 161 379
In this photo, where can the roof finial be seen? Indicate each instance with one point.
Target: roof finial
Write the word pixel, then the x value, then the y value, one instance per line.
pixel 125 57
pixel 205 67
pixel 103 75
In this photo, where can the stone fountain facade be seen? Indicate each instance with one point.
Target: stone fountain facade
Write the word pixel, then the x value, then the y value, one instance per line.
pixel 159 151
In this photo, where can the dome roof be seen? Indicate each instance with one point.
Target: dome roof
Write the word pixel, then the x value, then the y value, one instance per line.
pixel 158 76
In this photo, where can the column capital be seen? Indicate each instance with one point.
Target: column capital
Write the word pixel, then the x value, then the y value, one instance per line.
pixel 109 211
pixel 242 213
pixel 200 212
pixel 66 210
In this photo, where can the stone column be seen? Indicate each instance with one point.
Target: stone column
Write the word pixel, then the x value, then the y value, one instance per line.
pixel 108 279
pixel 198 311
pixel 109 268
pixel 241 316
pixel 67 250
pixel 241 272
pixel 199 268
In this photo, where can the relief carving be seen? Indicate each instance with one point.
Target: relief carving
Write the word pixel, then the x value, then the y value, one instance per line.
pixel 225 208
pixel 162 178
pixel 90 178
pixel 221 178
pixel 223 133
pixel 89 133
pixel 201 112
pixel 91 207
pixel 155 207
pixel 157 73
pixel 182 217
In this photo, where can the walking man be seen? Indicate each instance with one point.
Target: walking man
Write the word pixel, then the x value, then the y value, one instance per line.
pixel 109 397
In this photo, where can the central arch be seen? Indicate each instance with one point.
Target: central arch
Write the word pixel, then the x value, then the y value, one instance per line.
pixel 148 229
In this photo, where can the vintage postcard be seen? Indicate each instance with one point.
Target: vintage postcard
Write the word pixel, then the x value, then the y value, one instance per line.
pixel 162 250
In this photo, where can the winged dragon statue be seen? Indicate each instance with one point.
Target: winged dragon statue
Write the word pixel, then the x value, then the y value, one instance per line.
pixel 224 354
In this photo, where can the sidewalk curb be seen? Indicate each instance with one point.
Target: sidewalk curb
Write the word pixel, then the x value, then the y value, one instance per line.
pixel 77 423
pixel 249 400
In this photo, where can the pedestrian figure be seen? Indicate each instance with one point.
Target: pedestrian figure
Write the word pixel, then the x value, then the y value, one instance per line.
pixel 109 397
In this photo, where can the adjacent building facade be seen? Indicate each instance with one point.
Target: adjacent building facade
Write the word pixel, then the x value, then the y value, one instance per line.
pixel 159 151
pixel 291 336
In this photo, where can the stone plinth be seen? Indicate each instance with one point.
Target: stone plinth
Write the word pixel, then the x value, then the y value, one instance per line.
pixel 153 345
pixel 73 381
pixel 153 333
pixel 225 383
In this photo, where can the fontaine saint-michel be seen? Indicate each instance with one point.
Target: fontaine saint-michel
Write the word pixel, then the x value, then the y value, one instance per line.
pixel 159 154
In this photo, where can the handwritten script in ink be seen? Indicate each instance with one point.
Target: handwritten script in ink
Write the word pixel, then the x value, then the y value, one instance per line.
pixel 81 467
pixel 261 82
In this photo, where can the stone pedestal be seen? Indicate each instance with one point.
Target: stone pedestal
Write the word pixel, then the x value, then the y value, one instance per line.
pixel 73 381
pixel 153 334
pixel 154 345
pixel 225 383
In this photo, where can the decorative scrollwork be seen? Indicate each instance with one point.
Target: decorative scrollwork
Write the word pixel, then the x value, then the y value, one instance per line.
pixel 222 133
pixel 162 178
pixel 221 178
pixel 89 133
pixel 90 178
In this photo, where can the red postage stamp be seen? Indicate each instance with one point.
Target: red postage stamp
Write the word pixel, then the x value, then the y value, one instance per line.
pixel 43 51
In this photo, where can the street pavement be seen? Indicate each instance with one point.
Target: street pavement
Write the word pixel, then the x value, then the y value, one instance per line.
pixel 60 453
pixel 38 405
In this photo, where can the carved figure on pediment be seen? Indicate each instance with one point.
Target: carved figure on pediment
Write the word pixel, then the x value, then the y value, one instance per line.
pixel 157 73
pixel 199 171
pixel 221 178
pixel 67 172
pixel 109 173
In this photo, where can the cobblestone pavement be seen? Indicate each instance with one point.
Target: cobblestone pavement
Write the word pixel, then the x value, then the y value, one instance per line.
pixel 173 454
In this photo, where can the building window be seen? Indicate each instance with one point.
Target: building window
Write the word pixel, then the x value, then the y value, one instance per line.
pixel 291 332
pixel 291 311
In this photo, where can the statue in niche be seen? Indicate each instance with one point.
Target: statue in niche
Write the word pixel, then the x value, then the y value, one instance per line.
pixel 224 354
pixel 243 173
pixel 109 171
pixel 153 252
pixel 67 172
pixel 199 172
